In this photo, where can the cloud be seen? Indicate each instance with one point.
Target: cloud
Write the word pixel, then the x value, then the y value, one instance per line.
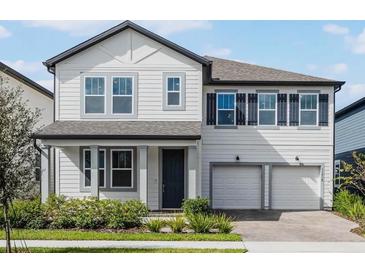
pixel 357 43
pixel 335 29
pixel 312 67
pixel 338 68
pixel 218 52
pixel 4 33
pixel 48 84
pixel 170 27
pixel 24 66
pixel 73 27
pixel 349 94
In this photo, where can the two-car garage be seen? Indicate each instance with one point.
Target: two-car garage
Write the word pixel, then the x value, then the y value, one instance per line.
pixel 239 186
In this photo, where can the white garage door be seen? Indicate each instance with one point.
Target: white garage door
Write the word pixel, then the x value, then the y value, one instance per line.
pixel 296 187
pixel 237 187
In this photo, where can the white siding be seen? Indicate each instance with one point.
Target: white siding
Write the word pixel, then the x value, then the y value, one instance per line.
pixel 148 59
pixel 153 178
pixel 350 133
pixel 282 144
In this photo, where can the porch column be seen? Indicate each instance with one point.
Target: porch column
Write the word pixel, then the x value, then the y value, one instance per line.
pixel 94 177
pixel 45 173
pixel 142 156
pixel 192 171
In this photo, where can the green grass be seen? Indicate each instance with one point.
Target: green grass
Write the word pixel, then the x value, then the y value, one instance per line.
pixel 47 234
pixel 125 250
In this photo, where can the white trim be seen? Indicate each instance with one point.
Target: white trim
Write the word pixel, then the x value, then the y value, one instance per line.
pixel 111 169
pixel 173 91
pixel 89 168
pixel 300 108
pixel 112 95
pixel 234 108
pixel 258 108
pixel 93 95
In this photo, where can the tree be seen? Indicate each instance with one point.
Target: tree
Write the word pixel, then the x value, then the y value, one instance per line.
pixel 354 174
pixel 17 153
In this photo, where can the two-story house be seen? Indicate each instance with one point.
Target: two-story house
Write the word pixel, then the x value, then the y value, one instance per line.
pixel 139 117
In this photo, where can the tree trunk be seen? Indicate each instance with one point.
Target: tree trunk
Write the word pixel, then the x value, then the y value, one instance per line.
pixel 7 228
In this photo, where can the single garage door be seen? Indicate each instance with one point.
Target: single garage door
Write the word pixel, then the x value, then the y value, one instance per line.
pixel 236 187
pixel 296 187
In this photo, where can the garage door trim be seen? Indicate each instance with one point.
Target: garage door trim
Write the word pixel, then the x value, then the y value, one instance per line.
pixel 321 168
pixel 236 164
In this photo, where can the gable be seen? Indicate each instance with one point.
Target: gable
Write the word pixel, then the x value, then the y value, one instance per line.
pixel 128 48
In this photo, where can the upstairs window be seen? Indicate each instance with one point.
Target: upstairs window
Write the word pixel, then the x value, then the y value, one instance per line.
pixel 122 97
pixel 267 109
pixel 226 109
pixel 173 90
pixel 87 168
pixel 308 109
pixel 94 91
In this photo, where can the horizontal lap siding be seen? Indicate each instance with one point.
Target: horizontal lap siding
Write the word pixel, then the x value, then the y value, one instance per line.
pixel 282 144
pixel 350 132
pixel 149 90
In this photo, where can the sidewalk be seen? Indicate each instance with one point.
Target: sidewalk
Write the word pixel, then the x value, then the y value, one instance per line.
pixel 292 247
pixel 129 244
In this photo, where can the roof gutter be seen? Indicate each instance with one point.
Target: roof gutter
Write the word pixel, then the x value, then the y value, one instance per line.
pixel 115 137
pixel 336 84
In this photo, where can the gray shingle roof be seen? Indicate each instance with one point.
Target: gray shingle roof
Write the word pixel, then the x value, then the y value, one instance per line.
pixel 228 70
pixel 121 130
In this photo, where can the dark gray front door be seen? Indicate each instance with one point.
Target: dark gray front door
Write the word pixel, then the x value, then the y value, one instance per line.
pixel 172 178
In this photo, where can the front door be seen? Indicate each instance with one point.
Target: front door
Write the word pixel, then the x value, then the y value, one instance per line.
pixel 172 178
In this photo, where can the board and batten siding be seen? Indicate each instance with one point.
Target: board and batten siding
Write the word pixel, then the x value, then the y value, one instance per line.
pixel 350 132
pixel 143 56
pixel 269 145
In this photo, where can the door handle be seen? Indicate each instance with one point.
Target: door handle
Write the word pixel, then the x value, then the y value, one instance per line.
pixel 163 188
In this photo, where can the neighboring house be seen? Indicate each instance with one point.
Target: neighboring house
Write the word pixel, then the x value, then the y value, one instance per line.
pixel 35 96
pixel 139 117
pixel 350 133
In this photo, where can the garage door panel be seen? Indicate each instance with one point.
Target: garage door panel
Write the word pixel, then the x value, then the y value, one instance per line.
pixel 237 187
pixel 296 187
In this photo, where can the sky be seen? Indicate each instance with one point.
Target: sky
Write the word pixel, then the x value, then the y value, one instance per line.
pixel 330 49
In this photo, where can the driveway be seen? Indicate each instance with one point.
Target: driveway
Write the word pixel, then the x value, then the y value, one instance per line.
pixel 293 226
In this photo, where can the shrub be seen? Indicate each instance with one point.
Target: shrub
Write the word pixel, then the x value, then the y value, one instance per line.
pixel 357 211
pixel 177 224
pixel 223 223
pixel 201 223
pixel 196 206
pixel 133 212
pixel 155 225
pixel 344 201
pixel 27 214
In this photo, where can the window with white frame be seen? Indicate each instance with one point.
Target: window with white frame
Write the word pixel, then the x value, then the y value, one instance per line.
pixel 267 109
pixel 94 92
pixel 173 90
pixel 87 167
pixel 122 95
pixel 226 109
pixel 337 173
pixel 38 166
pixel 308 109
pixel 121 168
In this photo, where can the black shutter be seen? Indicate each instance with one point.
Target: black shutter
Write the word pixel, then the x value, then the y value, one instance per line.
pixel 282 109
pixel 323 110
pixel 252 109
pixel 240 109
pixel 211 108
pixel 294 109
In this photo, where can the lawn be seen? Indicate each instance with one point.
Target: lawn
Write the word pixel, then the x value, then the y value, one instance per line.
pixel 125 250
pixel 48 234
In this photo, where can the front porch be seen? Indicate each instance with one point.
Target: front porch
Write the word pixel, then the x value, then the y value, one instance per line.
pixel 160 171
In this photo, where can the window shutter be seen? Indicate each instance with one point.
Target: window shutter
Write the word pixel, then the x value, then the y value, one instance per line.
pixel 240 109
pixel 294 109
pixel 323 110
pixel 211 108
pixel 282 109
pixel 252 109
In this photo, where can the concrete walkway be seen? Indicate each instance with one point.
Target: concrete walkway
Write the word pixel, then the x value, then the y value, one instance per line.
pixel 292 247
pixel 129 244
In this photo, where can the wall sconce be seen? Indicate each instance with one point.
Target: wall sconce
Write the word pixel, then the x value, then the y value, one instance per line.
pixel 237 158
pixel 296 158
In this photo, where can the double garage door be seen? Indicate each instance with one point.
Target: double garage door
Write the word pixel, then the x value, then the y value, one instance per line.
pixel 243 187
